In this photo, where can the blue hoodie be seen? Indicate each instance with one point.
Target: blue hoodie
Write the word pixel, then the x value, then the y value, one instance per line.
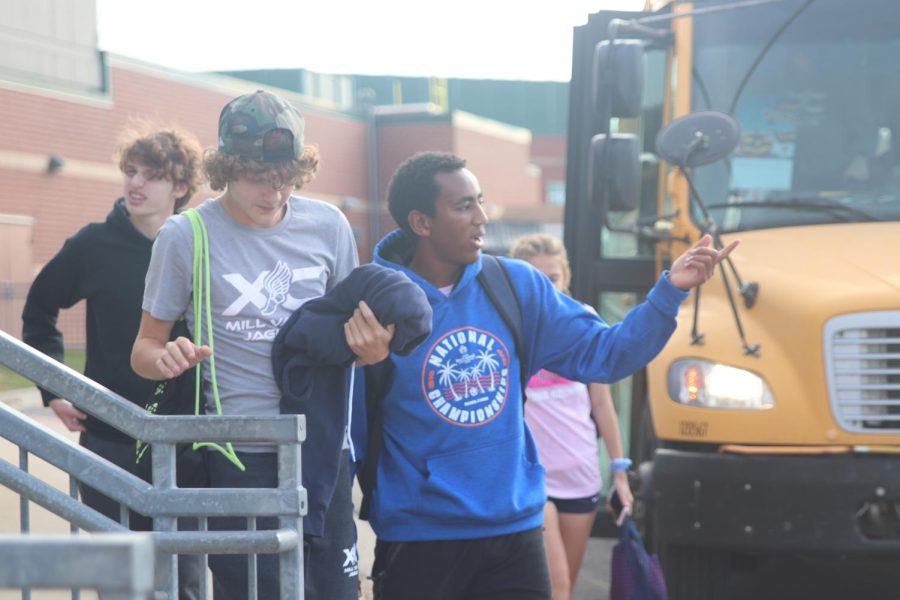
pixel 457 460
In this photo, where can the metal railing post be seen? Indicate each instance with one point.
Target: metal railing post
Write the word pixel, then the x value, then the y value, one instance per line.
pixel 162 500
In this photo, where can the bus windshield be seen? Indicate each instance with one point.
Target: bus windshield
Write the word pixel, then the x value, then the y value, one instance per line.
pixel 819 114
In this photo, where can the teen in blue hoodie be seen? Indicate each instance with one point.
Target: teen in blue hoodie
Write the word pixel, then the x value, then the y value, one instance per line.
pixel 457 505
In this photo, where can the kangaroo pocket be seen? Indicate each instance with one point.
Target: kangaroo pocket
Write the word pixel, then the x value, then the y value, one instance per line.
pixel 497 483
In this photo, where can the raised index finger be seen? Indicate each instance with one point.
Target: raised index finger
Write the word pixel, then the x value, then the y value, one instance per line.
pixel 721 254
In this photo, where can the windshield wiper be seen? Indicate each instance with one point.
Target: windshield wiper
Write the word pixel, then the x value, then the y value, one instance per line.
pixel 809 203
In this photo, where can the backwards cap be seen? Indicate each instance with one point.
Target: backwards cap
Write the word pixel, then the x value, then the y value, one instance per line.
pixel 262 127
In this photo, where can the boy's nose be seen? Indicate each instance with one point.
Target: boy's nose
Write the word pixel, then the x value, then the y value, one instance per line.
pixel 481 215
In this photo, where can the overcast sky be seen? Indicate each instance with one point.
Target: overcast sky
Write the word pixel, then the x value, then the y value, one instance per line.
pixel 497 39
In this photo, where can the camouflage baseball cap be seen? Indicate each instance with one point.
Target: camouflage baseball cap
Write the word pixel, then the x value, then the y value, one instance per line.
pixel 261 126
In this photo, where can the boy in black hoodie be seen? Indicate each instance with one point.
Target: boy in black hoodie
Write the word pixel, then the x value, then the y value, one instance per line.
pixel 105 264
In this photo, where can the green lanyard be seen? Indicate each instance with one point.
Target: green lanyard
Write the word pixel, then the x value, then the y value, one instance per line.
pixel 202 304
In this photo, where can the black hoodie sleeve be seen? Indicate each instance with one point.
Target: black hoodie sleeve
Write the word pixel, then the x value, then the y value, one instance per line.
pixel 57 286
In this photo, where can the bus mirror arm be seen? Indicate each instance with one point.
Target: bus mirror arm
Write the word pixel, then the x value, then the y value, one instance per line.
pixel 661 235
pixel 698 139
pixel 697 338
pixel 656 228
pixel 750 350
pixel 657 220
pixel 749 291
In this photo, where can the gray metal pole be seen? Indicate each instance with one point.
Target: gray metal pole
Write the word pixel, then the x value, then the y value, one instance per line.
pixel 367 103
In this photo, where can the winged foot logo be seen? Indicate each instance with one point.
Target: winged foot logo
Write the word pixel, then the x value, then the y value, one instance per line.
pixel 268 292
pixel 465 376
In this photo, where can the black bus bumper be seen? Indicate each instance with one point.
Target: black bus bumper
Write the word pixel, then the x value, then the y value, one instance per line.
pixel 846 503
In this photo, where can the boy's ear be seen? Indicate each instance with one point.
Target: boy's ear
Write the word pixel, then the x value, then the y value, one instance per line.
pixel 180 190
pixel 419 222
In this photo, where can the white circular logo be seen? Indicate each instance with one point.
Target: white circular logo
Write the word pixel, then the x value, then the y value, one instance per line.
pixel 465 376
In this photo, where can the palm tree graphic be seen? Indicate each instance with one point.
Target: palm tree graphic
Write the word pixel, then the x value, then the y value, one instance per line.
pixel 487 361
pixel 476 375
pixel 465 377
pixel 447 376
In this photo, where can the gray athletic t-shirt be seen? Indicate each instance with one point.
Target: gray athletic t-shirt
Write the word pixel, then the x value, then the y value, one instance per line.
pixel 259 277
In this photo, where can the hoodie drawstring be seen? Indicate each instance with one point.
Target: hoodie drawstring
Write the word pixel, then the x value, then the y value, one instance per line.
pixel 350 412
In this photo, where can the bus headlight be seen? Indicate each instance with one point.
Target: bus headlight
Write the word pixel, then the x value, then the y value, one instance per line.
pixel 697 382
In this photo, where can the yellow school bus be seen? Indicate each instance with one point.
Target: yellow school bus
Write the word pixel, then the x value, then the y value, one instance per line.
pixel 771 421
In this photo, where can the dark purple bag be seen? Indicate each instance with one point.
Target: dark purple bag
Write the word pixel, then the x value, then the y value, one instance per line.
pixel 635 574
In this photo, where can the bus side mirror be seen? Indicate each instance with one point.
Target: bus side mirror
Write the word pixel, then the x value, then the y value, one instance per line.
pixel 618 78
pixel 698 139
pixel 615 175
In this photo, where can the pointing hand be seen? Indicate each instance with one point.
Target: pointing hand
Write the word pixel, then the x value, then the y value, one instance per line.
pixel 698 264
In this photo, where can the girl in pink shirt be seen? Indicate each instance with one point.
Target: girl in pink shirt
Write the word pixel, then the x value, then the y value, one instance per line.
pixel 564 418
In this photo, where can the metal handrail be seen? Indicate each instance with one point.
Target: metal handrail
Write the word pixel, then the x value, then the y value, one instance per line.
pixel 133 491
pixel 119 567
pixel 162 500
pixel 127 417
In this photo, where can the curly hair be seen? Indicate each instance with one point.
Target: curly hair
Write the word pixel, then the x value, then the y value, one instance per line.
pixel 222 168
pixel 413 186
pixel 173 155
pixel 541 244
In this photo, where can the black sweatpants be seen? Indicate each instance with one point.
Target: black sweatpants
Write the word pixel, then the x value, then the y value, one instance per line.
pixel 330 565
pixel 122 454
pixel 504 567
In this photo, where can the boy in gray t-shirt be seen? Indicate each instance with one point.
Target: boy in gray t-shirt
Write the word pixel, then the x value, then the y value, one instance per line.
pixel 269 252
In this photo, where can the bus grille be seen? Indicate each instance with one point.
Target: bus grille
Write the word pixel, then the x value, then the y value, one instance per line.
pixel 862 363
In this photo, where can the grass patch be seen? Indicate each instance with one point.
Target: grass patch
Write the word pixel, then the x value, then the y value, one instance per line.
pixel 14 381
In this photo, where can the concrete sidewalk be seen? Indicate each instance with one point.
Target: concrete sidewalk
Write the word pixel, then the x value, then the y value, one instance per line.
pixel 22 399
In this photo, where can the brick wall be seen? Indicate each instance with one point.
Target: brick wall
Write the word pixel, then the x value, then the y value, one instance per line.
pixel 503 167
pixel 549 153
pixel 84 130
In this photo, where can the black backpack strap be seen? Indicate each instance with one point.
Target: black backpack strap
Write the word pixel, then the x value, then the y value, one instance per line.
pixel 498 286
pixel 378 382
